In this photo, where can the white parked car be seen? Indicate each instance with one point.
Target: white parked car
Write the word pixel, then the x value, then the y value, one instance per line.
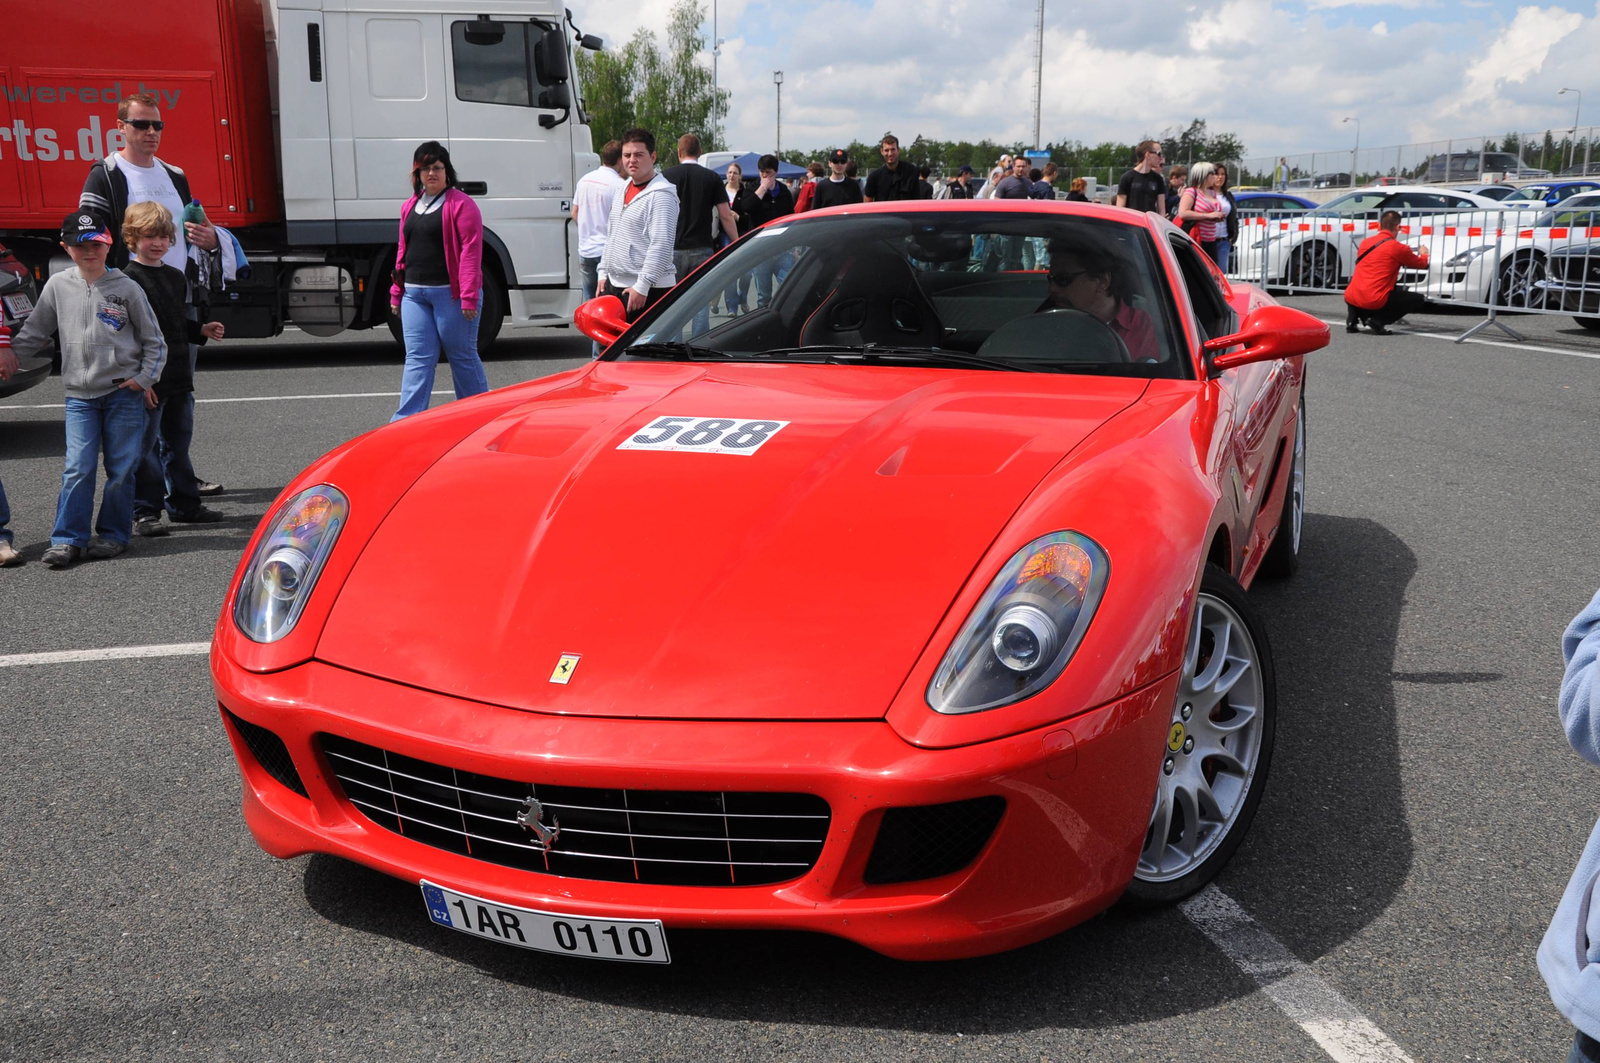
pixel 1317 249
pixel 1468 253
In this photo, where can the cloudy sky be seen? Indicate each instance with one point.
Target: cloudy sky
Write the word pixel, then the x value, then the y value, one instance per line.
pixel 1279 73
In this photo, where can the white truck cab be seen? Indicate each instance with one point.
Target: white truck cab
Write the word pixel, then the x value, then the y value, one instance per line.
pixel 359 84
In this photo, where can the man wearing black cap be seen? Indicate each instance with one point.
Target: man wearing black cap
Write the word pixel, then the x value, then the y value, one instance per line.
pixel 836 190
pixel 961 187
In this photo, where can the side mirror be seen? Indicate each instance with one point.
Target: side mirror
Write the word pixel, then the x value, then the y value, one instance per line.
pixel 593 42
pixel 604 319
pixel 550 57
pixel 1268 333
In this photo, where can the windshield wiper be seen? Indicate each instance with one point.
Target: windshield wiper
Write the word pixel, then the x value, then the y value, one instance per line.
pixel 673 350
pixel 847 354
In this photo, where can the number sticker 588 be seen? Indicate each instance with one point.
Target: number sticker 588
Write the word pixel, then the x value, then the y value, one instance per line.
pixel 703 435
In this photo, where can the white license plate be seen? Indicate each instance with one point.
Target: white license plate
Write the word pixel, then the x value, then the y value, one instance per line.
pixel 19 304
pixel 628 940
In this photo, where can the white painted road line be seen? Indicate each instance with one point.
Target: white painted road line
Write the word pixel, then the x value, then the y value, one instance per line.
pixel 1481 343
pixel 260 398
pixel 1314 1005
pixel 111 653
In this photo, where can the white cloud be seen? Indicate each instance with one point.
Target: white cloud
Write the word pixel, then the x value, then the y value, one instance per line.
pixel 1280 75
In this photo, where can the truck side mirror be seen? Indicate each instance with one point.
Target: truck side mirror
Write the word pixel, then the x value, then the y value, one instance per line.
pixel 550 57
pixel 593 42
pixel 482 30
pixel 557 97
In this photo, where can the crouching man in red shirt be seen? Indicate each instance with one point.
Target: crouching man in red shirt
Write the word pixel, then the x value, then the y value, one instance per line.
pixel 1372 296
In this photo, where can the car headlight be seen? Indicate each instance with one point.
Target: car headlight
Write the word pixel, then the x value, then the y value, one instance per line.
pixel 1470 254
pixel 287 561
pixel 1026 626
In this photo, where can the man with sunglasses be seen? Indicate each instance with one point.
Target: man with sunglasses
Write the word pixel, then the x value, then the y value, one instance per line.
pixel 1143 188
pixel 133 174
pixel 1088 279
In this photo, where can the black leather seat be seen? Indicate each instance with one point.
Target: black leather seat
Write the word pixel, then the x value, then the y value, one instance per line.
pixel 875 300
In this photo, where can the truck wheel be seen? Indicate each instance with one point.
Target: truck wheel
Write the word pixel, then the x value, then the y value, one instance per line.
pixel 492 311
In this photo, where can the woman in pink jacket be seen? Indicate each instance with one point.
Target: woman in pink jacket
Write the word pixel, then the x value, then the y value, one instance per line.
pixel 438 281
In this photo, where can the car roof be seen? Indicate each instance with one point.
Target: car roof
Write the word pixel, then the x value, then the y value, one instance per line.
pixel 1432 190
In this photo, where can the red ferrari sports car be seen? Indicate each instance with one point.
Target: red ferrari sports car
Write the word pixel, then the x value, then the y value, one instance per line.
pixel 886 579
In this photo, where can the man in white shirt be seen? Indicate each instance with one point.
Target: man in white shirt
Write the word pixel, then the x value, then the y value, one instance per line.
pixel 133 174
pixel 591 210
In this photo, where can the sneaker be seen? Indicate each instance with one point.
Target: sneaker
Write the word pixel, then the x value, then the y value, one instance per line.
pixel 62 555
pixel 149 527
pixel 9 558
pixel 197 515
pixel 206 487
pixel 104 549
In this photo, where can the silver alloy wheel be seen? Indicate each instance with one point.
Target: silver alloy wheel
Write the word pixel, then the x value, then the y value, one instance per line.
pixel 1213 745
pixel 1297 480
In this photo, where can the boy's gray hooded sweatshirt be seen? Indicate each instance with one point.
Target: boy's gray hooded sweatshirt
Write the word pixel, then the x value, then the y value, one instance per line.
pixel 1569 956
pixel 108 333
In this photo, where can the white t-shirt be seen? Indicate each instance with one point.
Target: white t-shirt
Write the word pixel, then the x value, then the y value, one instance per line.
pixel 592 200
pixel 146 183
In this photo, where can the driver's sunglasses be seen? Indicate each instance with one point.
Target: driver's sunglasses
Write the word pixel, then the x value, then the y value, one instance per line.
pixel 1062 278
pixel 145 124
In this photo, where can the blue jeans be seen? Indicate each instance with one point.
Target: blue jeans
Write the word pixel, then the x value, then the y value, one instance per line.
pixel 591 285
pixel 430 320
pixel 113 424
pixel 767 272
pixel 686 262
pixel 5 517
pixel 1584 1049
pixel 166 475
pixel 1224 251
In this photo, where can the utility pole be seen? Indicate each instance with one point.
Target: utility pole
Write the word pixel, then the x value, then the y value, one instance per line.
pixel 777 79
pixel 1355 150
pixel 1038 78
pixel 1576 111
pixel 716 53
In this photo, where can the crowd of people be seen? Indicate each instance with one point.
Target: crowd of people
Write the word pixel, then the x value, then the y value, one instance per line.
pixel 128 317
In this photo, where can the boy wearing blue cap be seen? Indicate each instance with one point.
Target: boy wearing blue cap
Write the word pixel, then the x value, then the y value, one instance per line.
pixel 111 357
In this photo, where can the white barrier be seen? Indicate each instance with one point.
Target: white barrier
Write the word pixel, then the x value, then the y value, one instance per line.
pixel 1537 261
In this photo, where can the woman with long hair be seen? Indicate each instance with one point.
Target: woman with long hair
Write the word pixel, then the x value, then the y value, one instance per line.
pixel 742 200
pixel 1203 211
pixel 438 281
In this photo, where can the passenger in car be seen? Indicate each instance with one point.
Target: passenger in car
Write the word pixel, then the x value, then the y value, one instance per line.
pixel 1083 277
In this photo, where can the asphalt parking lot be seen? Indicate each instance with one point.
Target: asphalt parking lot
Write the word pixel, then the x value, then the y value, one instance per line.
pixel 1422 815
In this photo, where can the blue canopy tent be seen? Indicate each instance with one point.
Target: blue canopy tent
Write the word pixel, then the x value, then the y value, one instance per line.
pixel 747 166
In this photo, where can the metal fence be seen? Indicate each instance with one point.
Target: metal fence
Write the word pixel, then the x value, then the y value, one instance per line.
pixel 1518 156
pixel 1544 261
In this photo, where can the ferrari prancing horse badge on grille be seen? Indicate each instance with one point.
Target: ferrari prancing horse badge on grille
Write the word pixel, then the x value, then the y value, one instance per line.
pixel 564 668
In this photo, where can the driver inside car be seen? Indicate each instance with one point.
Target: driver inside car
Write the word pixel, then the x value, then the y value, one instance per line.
pixel 1087 279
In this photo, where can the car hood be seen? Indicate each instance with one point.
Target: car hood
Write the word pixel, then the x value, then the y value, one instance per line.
pixel 801 581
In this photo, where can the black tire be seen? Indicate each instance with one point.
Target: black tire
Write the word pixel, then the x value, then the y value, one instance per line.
pixel 1313 265
pixel 491 316
pixel 1518 277
pixel 1282 558
pixel 1157 883
pixel 1590 323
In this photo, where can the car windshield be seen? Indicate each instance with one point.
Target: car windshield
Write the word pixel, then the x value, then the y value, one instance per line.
pixel 1008 291
pixel 1355 203
pixel 1529 194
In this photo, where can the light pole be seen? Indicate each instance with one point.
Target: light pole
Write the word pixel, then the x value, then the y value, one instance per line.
pixel 1038 79
pixel 1355 150
pixel 716 53
pixel 777 79
pixel 1576 111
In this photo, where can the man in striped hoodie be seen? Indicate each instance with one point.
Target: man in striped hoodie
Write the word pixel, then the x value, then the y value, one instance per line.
pixel 637 262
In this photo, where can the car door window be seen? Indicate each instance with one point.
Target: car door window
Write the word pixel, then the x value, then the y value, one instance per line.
pixel 1423 201
pixel 1211 309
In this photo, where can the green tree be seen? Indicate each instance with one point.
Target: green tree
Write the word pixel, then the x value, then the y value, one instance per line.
pixel 668 92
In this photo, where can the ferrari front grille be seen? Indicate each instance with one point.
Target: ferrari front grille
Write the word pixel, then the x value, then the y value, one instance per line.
pixel 666 837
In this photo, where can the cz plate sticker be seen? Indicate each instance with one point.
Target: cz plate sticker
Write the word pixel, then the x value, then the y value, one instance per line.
pixel 703 435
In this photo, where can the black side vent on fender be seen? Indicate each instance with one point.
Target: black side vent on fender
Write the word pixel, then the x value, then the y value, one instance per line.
pixel 270 752
pixel 926 841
